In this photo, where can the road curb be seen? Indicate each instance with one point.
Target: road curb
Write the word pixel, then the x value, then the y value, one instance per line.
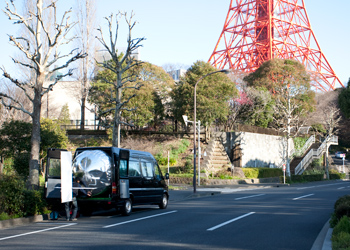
pixel 22 221
pixel 323 240
pixel 197 195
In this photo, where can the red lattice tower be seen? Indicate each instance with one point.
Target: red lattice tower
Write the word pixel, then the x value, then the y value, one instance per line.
pixel 259 30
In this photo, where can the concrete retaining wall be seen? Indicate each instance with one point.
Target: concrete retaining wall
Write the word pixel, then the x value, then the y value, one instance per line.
pixel 256 150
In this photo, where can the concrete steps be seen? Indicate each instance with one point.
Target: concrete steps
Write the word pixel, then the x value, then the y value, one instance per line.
pixel 216 158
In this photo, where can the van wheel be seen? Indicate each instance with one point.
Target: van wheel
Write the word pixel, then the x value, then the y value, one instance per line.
pixel 164 202
pixel 127 207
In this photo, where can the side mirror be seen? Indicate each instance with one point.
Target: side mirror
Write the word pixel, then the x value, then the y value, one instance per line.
pixel 167 176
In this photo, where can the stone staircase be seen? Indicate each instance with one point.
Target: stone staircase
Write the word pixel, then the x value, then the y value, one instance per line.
pixel 216 158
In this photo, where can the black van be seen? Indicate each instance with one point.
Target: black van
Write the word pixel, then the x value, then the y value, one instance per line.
pixel 117 178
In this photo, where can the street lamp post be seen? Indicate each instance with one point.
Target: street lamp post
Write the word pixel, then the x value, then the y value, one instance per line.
pixel 226 71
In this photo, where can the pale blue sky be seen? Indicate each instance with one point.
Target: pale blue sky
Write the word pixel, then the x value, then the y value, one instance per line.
pixel 184 31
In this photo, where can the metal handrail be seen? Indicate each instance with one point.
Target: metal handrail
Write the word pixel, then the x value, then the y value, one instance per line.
pixel 314 153
pixel 306 146
pixel 301 151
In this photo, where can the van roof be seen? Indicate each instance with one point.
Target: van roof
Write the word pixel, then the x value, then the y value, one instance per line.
pixel 115 149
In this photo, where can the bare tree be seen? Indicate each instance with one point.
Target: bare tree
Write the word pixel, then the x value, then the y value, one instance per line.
pixel 42 63
pixel 288 111
pixel 121 65
pixel 331 122
pixel 86 17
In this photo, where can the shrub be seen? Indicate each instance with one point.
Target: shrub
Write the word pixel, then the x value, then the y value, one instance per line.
pixel 341 242
pixel 341 234
pixel 223 174
pixel 16 201
pixel 11 195
pixel 318 128
pixel 335 175
pixel 173 154
pixel 315 169
pixel 262 172
pixel 34 203
pixel 341 208
pixel 251 172
pixel 21 164
pixel 188 166
pixel 307 178
pixel 299 142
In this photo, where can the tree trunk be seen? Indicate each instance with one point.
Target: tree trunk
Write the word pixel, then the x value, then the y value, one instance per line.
pixel 33 180
pixel 82 113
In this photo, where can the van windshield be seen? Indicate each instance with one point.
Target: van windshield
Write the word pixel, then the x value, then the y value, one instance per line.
pixel 54 168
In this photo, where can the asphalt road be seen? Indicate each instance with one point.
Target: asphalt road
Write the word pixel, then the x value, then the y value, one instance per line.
pixel 268 218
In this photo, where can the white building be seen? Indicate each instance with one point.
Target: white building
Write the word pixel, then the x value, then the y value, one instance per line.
pixel 177 74
pixel 68 92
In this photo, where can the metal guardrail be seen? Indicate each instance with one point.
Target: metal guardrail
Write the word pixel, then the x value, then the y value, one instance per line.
pixel 314 153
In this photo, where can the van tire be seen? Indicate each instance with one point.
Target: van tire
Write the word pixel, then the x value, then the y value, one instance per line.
pixel 127 207
pixel 164 203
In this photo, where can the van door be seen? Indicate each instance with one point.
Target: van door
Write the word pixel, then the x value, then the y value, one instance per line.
pixel 159 181
pixel 53 173
pixel 151 187
pixel 135 180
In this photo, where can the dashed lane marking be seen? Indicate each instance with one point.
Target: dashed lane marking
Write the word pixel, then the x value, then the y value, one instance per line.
pixel 230 221
pixel 39 231
pixel 143 218
pixel 303 196
pixel 251 196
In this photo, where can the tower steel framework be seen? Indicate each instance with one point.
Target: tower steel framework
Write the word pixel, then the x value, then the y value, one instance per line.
pixel 259 30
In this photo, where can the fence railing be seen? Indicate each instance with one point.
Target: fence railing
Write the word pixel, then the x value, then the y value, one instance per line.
pixel 301 151
pixel 314 153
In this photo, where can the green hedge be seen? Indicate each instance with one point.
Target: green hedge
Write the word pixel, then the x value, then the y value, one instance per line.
pixel 337 176
pixel 256 173
pixel 340 221
pixel 307 178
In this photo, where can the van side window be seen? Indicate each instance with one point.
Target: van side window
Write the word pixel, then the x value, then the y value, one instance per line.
pixel 147 169
pixel 158 173
pixel 134 168
pixel 123 168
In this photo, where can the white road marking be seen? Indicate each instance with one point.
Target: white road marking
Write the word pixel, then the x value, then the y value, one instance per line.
pixel 230 221
pixel 227 190
pixel 246 197
pixel 39 231
pixel 144 218
pixel 303 196
pixel 319 186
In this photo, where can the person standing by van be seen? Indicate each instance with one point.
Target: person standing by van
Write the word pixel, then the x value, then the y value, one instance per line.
pixel 75 193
